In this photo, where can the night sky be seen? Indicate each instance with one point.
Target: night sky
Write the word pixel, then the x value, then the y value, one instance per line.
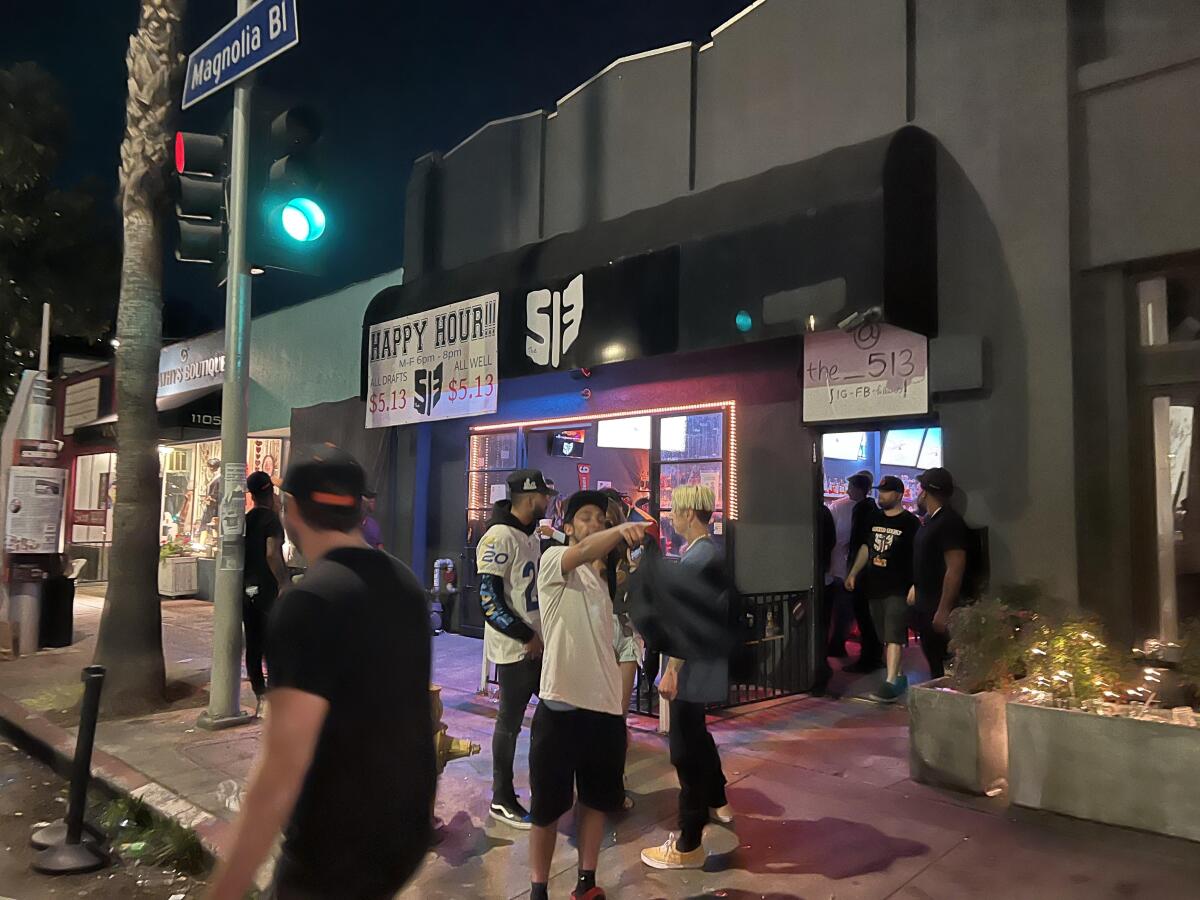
pixel 391 81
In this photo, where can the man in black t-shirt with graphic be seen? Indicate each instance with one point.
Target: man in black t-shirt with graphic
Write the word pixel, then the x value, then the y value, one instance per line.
pixel 264 575
pixel 348 756
pixel 939 563
pixel 885 565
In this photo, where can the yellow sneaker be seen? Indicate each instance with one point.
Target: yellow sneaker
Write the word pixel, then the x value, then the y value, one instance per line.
pixel 668 857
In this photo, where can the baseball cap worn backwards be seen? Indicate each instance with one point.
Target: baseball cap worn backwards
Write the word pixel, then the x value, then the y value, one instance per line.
pixel 326 476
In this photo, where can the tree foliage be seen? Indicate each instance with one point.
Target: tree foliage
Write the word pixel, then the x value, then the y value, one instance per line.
pixel 55 246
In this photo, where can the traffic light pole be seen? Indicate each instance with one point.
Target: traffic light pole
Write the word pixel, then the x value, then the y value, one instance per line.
pixel 224 702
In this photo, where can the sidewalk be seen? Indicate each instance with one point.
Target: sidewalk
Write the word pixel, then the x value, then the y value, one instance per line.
pixel 821 788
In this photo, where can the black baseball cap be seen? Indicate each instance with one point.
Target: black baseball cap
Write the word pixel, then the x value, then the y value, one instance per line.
pixel 937 481
pixel 890 483
pixel 529 481
pixel 326 476
pixel 580 499
pixel 258 482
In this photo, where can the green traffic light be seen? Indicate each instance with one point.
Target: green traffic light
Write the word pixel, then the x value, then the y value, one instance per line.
pixel 303 219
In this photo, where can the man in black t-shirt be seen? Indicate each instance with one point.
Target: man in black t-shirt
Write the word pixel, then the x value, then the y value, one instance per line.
pixel 348 755
pixel 264 575
pixel 885 565
pixel 940 560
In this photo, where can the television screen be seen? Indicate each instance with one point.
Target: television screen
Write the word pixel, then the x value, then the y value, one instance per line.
pixel 845 445
pixel 567 443
pixel 901 447
pixel 624 434
pixel 931 451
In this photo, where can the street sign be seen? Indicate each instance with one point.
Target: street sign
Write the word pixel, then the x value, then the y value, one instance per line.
pixel 257 36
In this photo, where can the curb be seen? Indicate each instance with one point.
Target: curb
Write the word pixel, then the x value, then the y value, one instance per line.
pixel 55 747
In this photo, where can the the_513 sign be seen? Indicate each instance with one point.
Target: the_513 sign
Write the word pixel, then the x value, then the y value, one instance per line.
pixel 438 364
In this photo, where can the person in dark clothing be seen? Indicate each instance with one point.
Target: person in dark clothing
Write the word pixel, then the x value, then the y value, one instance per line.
pixel 507 561
pixel 265 574
pixel 885 563
pixel 939 563
pixel 690 685
pixel 870 655
pixel 347 760
pixel 827 535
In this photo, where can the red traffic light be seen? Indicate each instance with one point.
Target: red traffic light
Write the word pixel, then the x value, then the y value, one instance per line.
pixel 199 154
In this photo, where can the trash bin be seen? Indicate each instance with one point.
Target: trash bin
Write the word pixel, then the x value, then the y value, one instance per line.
pixel 56 625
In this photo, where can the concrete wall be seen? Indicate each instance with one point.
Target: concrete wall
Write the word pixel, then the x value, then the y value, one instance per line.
pixel 308 354
pixel 792 79
pixel 1068 137
pixel 991 86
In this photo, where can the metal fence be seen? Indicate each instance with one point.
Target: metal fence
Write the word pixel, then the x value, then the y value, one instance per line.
pixel 771 661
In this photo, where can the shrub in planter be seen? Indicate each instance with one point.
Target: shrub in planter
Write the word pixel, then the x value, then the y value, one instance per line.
pixel 1070 664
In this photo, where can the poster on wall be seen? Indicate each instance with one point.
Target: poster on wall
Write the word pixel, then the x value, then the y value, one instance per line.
pixel 439 364
pixel 33 514
pixel 876 372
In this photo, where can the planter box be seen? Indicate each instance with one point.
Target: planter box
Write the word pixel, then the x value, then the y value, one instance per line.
pixel 957 740
pixel 177 576
pixel 1140 774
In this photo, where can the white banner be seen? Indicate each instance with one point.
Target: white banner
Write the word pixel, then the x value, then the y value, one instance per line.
pixel 440 364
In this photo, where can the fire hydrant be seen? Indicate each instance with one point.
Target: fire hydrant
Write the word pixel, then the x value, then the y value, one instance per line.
pixel 446 747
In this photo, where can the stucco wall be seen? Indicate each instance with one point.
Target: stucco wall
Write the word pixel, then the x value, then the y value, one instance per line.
pixel 308 354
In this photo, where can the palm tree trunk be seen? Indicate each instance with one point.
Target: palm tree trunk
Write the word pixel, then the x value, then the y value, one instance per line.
pixel 130 642
pixel 130 639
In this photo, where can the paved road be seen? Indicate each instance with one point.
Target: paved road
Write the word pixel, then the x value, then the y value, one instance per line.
pixel 31 793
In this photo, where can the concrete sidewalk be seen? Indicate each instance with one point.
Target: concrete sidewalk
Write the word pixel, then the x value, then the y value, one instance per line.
pixel 821 787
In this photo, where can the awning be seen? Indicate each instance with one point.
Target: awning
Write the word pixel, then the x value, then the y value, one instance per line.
pixel 185 416
pixel 804 245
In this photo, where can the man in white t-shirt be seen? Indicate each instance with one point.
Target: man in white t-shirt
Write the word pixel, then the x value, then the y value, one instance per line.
pixel 507 562
pixel 578 738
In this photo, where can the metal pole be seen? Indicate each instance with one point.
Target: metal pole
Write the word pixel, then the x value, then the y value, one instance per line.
pixel 65 852
pixel 81 771
pixel 224 701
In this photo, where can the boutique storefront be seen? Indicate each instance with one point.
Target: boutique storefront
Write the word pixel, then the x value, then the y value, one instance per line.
pixel 189 405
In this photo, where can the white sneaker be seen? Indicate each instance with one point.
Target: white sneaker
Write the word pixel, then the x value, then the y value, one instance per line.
pixel 722 814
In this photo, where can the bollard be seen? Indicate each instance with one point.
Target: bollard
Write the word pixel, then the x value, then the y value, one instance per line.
pixel 71 855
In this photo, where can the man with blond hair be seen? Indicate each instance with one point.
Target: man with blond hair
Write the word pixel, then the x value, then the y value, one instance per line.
pixel 689 686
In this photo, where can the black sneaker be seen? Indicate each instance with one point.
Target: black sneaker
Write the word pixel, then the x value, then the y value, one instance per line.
pixel 511 813
pixel 887 693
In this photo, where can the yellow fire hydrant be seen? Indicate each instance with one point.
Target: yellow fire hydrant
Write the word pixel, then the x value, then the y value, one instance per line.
pixel 446 747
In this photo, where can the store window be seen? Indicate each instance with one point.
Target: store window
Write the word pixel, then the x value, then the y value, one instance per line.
pixel 1169 308
pixel 691 451
pixel 92 511
pixel 191 489
pixel 493 457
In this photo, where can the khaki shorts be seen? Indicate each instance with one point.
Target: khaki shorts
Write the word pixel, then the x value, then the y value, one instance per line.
pixel 624 641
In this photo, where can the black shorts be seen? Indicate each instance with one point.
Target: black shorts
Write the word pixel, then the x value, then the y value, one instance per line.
pixel 891 617
pixel 575 750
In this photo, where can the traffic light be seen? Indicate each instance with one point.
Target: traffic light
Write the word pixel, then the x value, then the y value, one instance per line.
pixel 201 164
pixel 292 224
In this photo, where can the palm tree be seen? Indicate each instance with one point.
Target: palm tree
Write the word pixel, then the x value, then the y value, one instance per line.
pixel 130 639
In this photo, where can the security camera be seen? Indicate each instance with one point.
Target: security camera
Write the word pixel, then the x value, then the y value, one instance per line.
pixel 857 320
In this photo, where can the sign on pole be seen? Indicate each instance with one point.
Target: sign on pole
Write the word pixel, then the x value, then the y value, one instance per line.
pixel 877 372
pixel 269 28
pixel 439 364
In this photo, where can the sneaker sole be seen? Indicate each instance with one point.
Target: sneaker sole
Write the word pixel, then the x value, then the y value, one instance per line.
pixel 512 823
pixel 659 864
pixel 885 701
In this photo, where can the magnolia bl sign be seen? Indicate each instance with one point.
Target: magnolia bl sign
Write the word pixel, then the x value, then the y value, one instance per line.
pixel 256 37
